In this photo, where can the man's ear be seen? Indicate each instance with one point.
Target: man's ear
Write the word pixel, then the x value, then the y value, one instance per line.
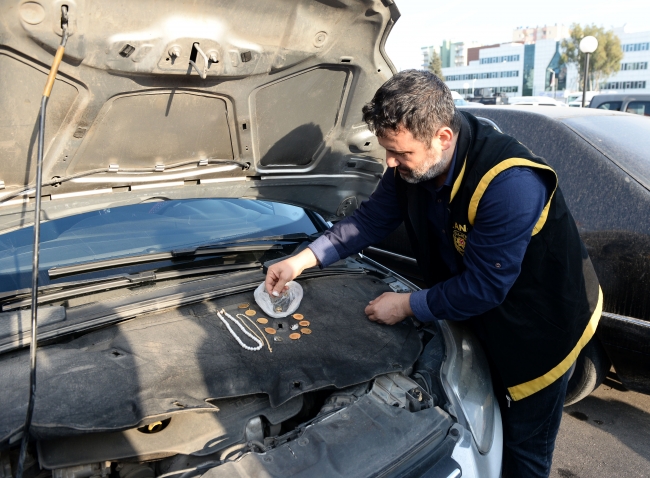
pixel 446 136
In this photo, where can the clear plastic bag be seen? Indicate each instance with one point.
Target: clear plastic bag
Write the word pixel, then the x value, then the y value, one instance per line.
pixel 277 307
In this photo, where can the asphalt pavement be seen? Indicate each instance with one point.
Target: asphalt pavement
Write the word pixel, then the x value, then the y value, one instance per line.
pixel 606 434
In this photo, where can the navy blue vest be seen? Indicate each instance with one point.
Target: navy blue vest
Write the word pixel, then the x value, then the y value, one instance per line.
pixel 553 308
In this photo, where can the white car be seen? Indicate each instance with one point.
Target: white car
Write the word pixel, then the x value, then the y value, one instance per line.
pixel 535 101
pixel 185 147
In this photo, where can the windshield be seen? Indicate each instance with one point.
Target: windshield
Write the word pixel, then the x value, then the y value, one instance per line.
pixel 624 139
pixel 143 229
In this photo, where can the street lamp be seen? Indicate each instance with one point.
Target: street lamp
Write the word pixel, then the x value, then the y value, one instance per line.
pixel 588 45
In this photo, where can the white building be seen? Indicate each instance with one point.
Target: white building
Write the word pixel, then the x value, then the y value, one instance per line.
pixel 533 69
pixel 498 68
pixel 634 76
pixel 427 53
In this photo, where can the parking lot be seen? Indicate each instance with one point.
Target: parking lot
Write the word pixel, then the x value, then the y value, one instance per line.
pixel 605 435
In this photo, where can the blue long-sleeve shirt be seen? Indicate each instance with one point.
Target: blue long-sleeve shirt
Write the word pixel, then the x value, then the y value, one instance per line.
pixel 506 216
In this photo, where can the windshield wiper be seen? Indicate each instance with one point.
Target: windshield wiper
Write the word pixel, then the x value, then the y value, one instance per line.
pixel 68 290
pixel 264 244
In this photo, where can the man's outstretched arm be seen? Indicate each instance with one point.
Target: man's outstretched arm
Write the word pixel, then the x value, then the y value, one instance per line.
pixel 280 273
pixel 373 221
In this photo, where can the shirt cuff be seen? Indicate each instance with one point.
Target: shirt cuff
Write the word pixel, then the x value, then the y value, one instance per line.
pixel 420 307
pixel 324 251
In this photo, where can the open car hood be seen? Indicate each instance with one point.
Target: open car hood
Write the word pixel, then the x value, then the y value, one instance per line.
pixel 168 99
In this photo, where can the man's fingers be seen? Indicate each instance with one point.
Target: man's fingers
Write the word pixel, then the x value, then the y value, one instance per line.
pixel 279 287
pixel 270 281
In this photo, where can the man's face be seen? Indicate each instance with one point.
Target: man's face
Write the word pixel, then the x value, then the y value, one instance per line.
pixel 415 162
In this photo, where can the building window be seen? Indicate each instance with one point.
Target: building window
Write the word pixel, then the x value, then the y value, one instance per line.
pixel 639 65
pixel 636 47
pixel 482 76
pixel 499 59
pixel 624 85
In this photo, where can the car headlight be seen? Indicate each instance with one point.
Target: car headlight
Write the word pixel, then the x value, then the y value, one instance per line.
pixel 466 378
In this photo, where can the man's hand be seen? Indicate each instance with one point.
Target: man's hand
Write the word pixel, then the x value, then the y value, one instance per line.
pixel 282 272
pixel 389 308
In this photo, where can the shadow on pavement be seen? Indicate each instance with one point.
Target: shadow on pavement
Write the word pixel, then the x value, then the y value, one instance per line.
pixel 627 423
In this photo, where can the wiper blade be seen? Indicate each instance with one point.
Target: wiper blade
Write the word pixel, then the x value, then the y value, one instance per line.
pixel 299 236
pixel 265 243
pixel 158 256
pixel 68 290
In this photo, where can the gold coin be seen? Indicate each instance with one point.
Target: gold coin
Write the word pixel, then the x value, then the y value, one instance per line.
pixel 262 320
pixel 298 316
pixel 270 330
pixel 243 306
pixel 250 312
pixel 294 336
pixel 303 323
pixel 306 331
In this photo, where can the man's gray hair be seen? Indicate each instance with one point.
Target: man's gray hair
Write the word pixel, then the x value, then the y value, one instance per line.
pixel 416 100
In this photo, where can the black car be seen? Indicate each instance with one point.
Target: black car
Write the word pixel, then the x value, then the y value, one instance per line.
pixel 601 158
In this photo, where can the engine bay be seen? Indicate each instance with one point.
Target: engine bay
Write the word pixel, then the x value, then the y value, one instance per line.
pixel 173 390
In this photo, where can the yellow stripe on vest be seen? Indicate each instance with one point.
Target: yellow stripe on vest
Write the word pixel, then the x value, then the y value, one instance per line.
pixel 499 168
pixel 459 180
pixel 526 389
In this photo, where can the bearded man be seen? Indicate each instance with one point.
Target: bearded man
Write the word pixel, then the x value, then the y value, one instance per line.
pixel 495 243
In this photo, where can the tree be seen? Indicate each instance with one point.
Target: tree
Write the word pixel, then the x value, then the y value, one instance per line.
pixel 435 65
pixel 603 63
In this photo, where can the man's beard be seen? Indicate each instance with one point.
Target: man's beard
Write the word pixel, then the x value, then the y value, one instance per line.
pixel 425 172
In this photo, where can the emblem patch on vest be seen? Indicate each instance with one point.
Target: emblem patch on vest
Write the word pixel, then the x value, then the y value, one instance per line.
pixel 460 238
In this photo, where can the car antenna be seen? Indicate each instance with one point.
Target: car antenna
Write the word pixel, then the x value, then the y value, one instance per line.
pixel 37 231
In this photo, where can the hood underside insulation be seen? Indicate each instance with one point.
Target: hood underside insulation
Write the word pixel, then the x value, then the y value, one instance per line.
pixel 174 361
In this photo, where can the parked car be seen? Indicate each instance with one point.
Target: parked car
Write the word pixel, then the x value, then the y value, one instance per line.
pixel 460 101
pixel 575 98
pixel 535 101
pixel 601 158
pixel 635 104
pixel 185 147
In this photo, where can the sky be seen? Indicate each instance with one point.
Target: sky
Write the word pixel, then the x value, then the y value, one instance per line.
pixel 428 22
